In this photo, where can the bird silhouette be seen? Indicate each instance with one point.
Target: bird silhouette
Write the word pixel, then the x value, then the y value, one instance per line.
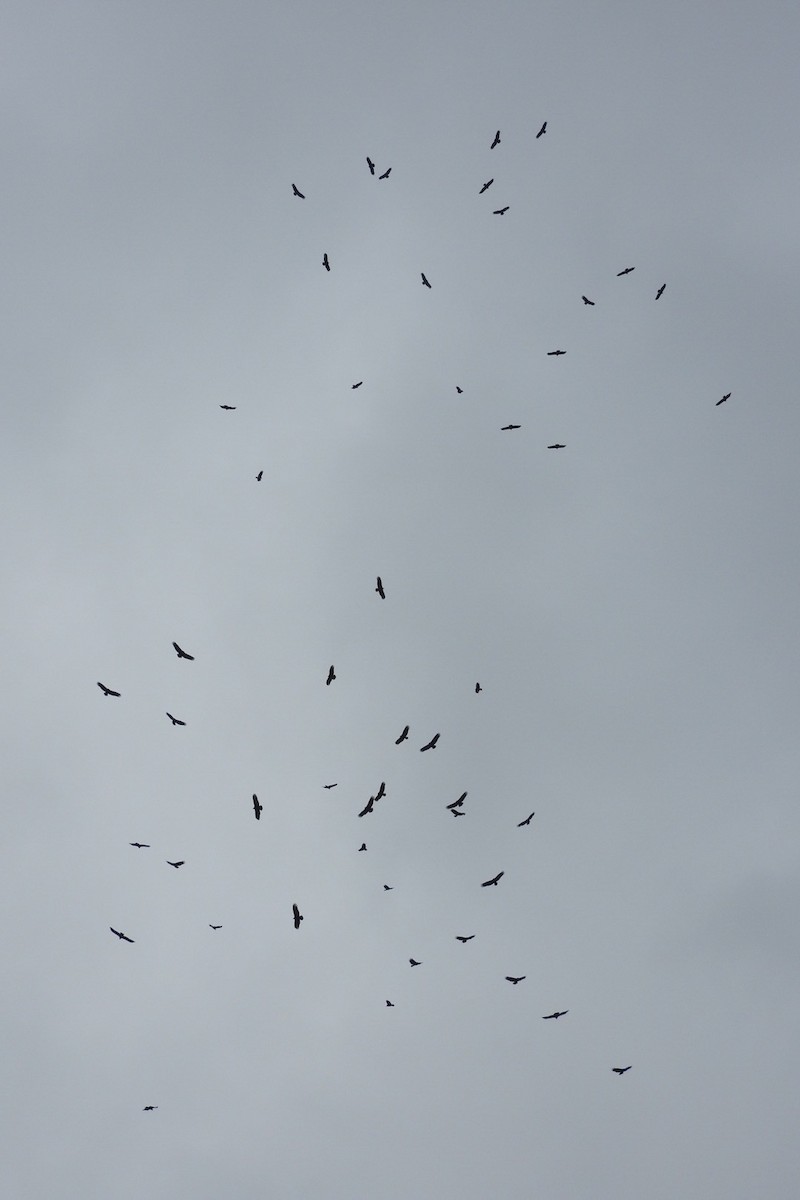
pixel 379 589
pixel 586 300
pixel 182 653
pixel 362 847
pixel 389 1004
pixel 122 936
pixel 459 390
pixel 660 291
pixel 626 271
pixel 176 864
pixel 414 962
pixel 228 407
pixel 386 888
pixel 331 677
pixel 386 173
pixel 424 280
pixel 298 916
pixel 175 720
pixel 515 979
pixel 326 264
pixel 381 792
pixel 140 845
pixel 504 428
pixel 257 807
pixel 464 939
pixel 371 165
pixel 150 1108
pixel 457 803
pixel 488 184
pixel 555 353
pixel 496 141
pixel 327 786
pixel 431 745
pixel 500 212
pixel 402 737
pixel 259 476
pixel 215 927
pixel 457 812
pixel 367 807
pixel 107 691
pixel 727 396
pixel 542 130
pixel 620 1070
pixel 297 191
pixel 555 1015
pixel 557 446
pixel 353 386
pixel 527 821
pixel 478 689
pixel 494 881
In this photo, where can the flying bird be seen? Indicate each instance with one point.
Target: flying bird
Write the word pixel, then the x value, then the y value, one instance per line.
pixel 586 300
pixel 297 191
pixel 504 428
pixel 527 821
pixel 620 1070
pixel 327 786
pixel 182 653
pixel 176 864
pixel 386 888
pixel 298 916
pixel 362 847
pixel 325 262
pixel 107 691
pixel 457 812
pixel 542 130
pixel 555 1015
pixel 500 212
pixel 386 173
pixel 259 476
pixel 140 845
pixel 627 271
pixel 424 280
pixel 150 1108
pixel 488 184
pixel 175 720
pixel 457 803
pixel 555 353
pixel 389 1004
pixel 353 386
pixel 557 446
pixel 367 807
pixel 478 689
pixel 257 808
pixel 371 165
pixel 331 677
pixel 659 294
pixel 228 407
pixel 431 745
pixel 381 792
pixel 402 737
pixel 414 962
pixel 727 396
pixel 515 979
pixel 122 937
pixel 215 927
pixel 461 938
pixel 459 390
pixel 496 141
pixel 494 881
pixel 379 589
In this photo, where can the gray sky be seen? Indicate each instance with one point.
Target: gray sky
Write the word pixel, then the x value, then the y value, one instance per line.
pixel 628 603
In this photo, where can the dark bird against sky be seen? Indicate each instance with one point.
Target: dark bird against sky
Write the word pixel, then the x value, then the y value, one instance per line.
pixel 379 589
pixel 505 428
pixel 516 978
pixel 362 847
pixel 123 937
pixel 542 130
pixel 727 396
pixel 414 962
pixel 527 821
pixel 150 1108
pixel 478 689
pixel 557 446
pixel 586 300
pixel 140 845
pixel 494 880
pixel 182 653
pixel 488 184
pixel 499 212
pixel 424 280
pixel 431 745
pixel 215 927
pixel 327 786
pixel 297 191
pixel 464 938
pixel 626 271
pixel 402 737
pixel 555 353
pixel 331 677
pixel 107 691
pixel 297 915
pixel 325 262
pixel 620 1070
pixel 353 386
pixel 175 720
pixel 555 1015
pixel 386 173
pixel 660 291
pixel 496 141
pixel 457 803
pixel 259 476
pixel 228 407
pixel 176 864
pixel 371 165
pixel 257 807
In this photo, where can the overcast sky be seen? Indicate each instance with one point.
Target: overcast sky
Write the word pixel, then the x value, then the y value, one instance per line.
pixel 628 603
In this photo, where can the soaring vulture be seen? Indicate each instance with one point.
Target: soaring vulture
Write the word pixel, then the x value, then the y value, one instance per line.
pixel 555 353
pixel 627 271
pixel 176 864
pixel 586 300
pixel 457 803
pixel 326 264
pixel 371 165
pixel 331 677
pixel 389 1004
pixel 228 407
pixel 140 845
pixel 516 978
pixel 554 1016
pixel 386 888
pixel 362 847
pixel 353 386
pixel 727 396
pixel 496 141
pixel 257 807
pixel 527 821
pixel 488 184
pixel 122 937
pixel 297 191
pixel 386 173
pixel 461 938
pixel 542 130
pixel 557 446
pixel 503 428
pixel 379 589
pixel 298 917
pixel 414 962
pixel 424 280
pixel 175 720
pixel 659 294
pixel 478 689
pixel 215 927
pixel 107 691
pixel 500 212
pixel 367 807
pixel 431 745
pixel 182 653
pixel 260 476
pixel 402 737
pixel 495 880
pixel 621 1070
pixel 327 786
pixel 150 1108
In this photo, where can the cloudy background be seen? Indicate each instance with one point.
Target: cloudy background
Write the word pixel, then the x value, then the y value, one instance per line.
pixel 628 603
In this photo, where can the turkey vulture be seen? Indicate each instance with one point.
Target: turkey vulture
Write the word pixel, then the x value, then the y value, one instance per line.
pixel 402 737
pixel 488 184
pixel 542 130
pixel 457 812
pixel 386 173
pixel 627 271
pixel 381 792
pixel 331 677
pixel 586 300
pixel 555 353
pixel 500 212
pixel 431 745
pixel 182 653
pixel 414 962
pixel 215 927
pixel 257 807
pixel 371 165
pixel 107 691
pixel 461 938
pixel 459 390
pixel 386 888
pixel 259 476
pixel 557 446
pixel 175 720
pixel 389 1004
pixel 326 264
pixel 554 1016
pixel 367 807
pixel 478 689
pixel 516 978
pixel 123 937
pixel 228 407
pixel 494 881
pixel 727 396
pixel 298 917
pixel 362 847
pixel 150 1108
pixel 496 141
pixel 297 191
pixel 379 589
pixel 457 803
pixel 620 1070
pixel 527 821
pixel 504 428
pixel 140 845
pixel 327 786
pixel 424 280
pixel 175 864
pixel 353 386
pixel 659 293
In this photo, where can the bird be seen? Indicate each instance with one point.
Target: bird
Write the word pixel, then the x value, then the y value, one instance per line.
pixel 257 807
pixel 379 589
pixel 586 300
pixel 327 786
pixel 122 937
pixel 627 271
pixel 259 476
pixel 457 812
pixel 362 847
pixel 297 191
pixel 527 821
pixel 727 396
pixel 175 720
pixel 459 390
pixel 367 807
pixel 464 939
pixel 424 280
pixel 107 691
pixel 504 428
pixel 555 353
pixel 542 130
pixel 457 803
pixel 659 294
pixel 182 653
pixel 515 979
pixel 298 916
pixel 495 880
pixel 488 184
pixel 496 141
pixel 176 864
pixel 402 737
pixel 620 1070
pixel 386 888
pixel 325 262
pixel 371 165
pixel 431 745
pixel 228 407
pixel 389 1004
pixel 557 446
pixel 386 173
pixel 555 1015
pixel 150 1108
pixel 478 689
pixel 500 212
pixel 414 962
pixel 140 845
pixel 331 677
pixel 381 792
pixel 353 386
pixel 215 927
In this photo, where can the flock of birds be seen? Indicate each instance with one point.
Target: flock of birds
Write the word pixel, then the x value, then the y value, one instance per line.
pixel 456 806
